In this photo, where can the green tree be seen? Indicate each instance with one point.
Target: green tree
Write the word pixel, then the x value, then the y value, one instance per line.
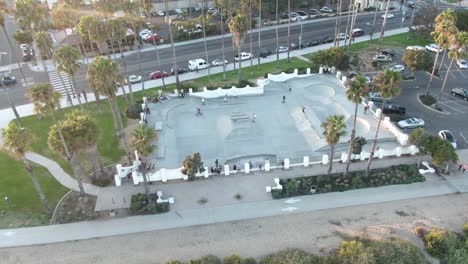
pixel 388 84
pixel 421 140
pixel 43 44
pixel 23 37
pixel 147 6
pixel 333 129
pixel 417 60
pixel 357 89
pixel 337 57
pixel 46 101
pixel 442 152
pixel 192 165
pixel 103 74
pixel 141 140
pixel 66 58
pixel 238 26
pixel 16 142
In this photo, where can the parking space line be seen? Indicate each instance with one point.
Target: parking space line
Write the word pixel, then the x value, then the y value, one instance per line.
pixel 464 138
pixel 456 109
pixel 459 70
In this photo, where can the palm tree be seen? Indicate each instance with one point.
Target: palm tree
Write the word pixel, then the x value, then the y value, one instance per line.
pixel 147 6
pixel 289 27
pixel 203 18
pixel 153 27
pixel 277 36
pixel 46 101
pixel 17 141
pixel 223 16
pixel 445 28
pixel 174 57
pixel 388 84
pixel 459 42
pixel 103 74
pixel 357 90
pixel 141 140
pixel 383 25
pixel 66 58
pixel 333 128
pixel 238 26
pixel 259 30
pixel 338 23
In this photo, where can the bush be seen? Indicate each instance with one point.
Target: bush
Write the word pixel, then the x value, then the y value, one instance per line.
pixel 140 205
pixel 209 259
pixel 465 230
pixel 233 259
pixel 427 99
pixel 440 242
pixel 250 261
pixel 291 256
pixel 396 251
pixel 133 111
pixel 174 262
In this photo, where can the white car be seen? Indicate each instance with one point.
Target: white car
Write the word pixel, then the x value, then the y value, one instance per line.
pixel 161 13
pixel 134 79
pixel 434 48
pixel 281 49
pixel 411 123
pixel 219 62
pixel 397 68
pixel 326 10
pixel 243 56
pixel 382 57
pixel 213 10
pixel 388 16
pixel 298 15
pixel 342 36
pixel 462 64
pixel 415 48
pixel 178 11
pixel 447 135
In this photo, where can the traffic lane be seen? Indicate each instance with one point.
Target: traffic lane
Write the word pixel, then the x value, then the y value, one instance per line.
pixel 19 89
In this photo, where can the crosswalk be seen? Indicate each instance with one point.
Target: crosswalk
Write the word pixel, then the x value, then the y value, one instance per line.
pixel 59 85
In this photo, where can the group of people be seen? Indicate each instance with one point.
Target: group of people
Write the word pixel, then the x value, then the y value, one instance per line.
pixel 183 93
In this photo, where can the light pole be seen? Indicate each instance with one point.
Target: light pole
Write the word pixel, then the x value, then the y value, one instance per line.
pixel 411 23
pixel 300 35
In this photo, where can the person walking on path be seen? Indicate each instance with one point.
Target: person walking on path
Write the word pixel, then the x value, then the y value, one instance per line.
pixel 284 99
pixel 303 109
pixel 198 112
pixel 254 116
pixel 365 109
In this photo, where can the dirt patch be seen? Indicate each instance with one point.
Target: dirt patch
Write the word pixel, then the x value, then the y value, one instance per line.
pixel 74 209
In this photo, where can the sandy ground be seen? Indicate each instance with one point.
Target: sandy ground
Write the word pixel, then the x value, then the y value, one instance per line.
pixel 316 232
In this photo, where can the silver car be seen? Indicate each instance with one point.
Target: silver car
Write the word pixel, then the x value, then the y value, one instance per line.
pixel 219 62
pixel 411 123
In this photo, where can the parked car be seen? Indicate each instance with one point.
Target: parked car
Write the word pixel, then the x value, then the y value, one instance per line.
pixel 357 32
pixel 388 16
pixel 281 49
pixel 415 48
pixel 298 15
pixel 462 64
pixel 393 109
pixel 134 79
pixel 158 75
pixel 161 13
pixel 326 10
pixel 410 4
pixel 459 92
pixel 295 45
pixel 388 52
pixel 25 47
pixel 213 10
pixel 411 123
pixel 197 64
pixel 377 97
pixel 219 62
pixel 152 39
pixel 243 56
pixel 265 53
pixel 154 14
pixel 313 11
pixel 283 15
pixel 397 68
pixel 381 58
pixel 447 135
pixel 342 36
pixel 433 48
pixel 179 71
pixel 312 43
pixel 327 40
pixel 8 80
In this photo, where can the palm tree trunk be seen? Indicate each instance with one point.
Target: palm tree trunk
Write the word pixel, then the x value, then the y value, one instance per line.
pixel 159 64
pixel 351 142
pixel 12 105
pixel 93 162
pixel 432 72
pixel 204 38
pixel 289 28
pixel 330 162
pixel 383 25
pixel 240 62
pixel 145 180
pixel 277 37
pixel 138 54
pixel 36 184
pixel 72 83
pixel 222 40
pixel 174 57
pixel 67 93
pixel 353 22
pixel 374 142
pixel 442 61
pixel 348 26
pixel 259 31
pixel 445 81
pixel 14 55
pixel 124 62
pixel 232 38
pixel 250 37
pixel 337 24
pixel 122 133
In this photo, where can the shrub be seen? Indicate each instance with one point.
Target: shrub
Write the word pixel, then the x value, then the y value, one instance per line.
pixel 133 111
pixel 209 259
pixel 250 261
pixel 233 259
pixel 440 242
pixel 396 251
pixel 291 256
pixel 140 205
pixel 174 262
pixel 192 165
pixel 354 252
pixel 427 99
pixel 465 230
pixel 291 187
pixel 278 194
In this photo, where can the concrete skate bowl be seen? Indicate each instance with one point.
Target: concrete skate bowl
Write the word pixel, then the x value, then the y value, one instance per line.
pixel 362 127
pixel 239 133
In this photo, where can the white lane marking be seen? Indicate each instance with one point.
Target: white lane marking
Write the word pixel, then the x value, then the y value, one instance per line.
pixel 289 209
pixel 463 137
pixel 292 201
pixel 456 109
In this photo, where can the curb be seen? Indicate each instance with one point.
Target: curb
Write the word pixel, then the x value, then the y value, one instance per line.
pixel 430 108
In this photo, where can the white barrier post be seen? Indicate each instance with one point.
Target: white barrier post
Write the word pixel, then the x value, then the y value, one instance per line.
pixel 306 161
pixel 413 150
pixel 160 92
pixel 176 92
pixel 343 80
pixel 333 69
pixel 246 168
pixel 398 151
pixel 286 163
pixel 381 152
pixel 321 70
pixel 164 177
pixel 363 155
pixel 226 170
pixel 378 112
pixel 267 165
pixel 344 157
pixel 338 75
pixel 308 71
pixel 325 159
pixel 190 90
pixel 206 174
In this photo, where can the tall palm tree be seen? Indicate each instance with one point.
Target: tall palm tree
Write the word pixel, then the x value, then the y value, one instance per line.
pixel 445 28
pixel 158 61
pixel 333 128
pixel 388 84
pixel 383 25
pixel 260 10
pixel 277 36
pixel 66 58
pixel 289 27
pixel 338 23
pixel 357 90
pixel 46 101
pixel 141 140
pixel 171 38
pixel 238 26
pixel 223 16
pixel 204 24
pixel 459 42
pixel 17 141
pixel 103 73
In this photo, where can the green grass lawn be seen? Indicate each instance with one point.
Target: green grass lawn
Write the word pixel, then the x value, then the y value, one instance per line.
pixel 399 41
pixel 25 208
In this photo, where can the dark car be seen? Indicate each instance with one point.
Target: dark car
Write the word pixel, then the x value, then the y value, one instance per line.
pixel 295 45
pixel 393 109
pixel 387 52
pixel 328 40
pixel 179 71
pixel 312 43
pixel 459 92
pixel 8 80
pixel 265 53
pixel 283 15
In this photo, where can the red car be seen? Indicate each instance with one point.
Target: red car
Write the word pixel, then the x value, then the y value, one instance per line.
pixel 158 75
pixel 153 38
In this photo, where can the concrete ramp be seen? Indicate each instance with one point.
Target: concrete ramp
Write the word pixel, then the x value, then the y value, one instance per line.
pixel 305 123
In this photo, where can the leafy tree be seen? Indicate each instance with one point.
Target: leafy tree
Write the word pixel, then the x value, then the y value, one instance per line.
pixel 337 57
pixel 16 142
pixel 208 259
pixel 422 141
pixel 395 251
pixel 417 60
pixel 147 6
pixel 141 140
pixel 442 152
pixel 238 26
pixel 442 243
pixel 192 165
pixel 43 44
pixel 21 37
pixel 357 89
pixel 66 58
pixel 333 129
pixel 358 143
pixel 462 19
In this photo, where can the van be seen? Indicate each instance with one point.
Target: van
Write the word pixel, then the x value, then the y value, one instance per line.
pixel 198 64
pixel 357 32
